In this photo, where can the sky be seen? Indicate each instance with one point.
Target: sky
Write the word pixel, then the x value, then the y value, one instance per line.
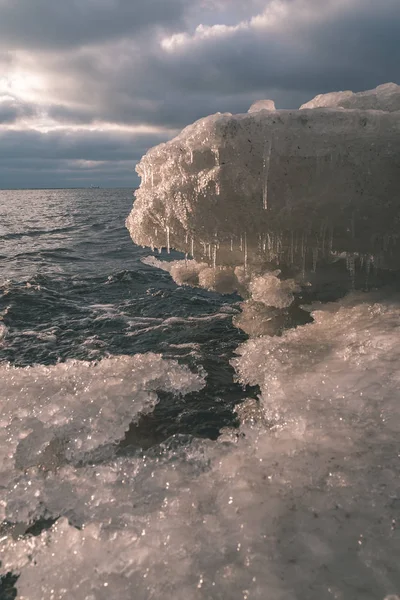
pixel 87 86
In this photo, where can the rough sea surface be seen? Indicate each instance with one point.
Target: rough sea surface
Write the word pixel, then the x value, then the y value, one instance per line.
pixel 150 450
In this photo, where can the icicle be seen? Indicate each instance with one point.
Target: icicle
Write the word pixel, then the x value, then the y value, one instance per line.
pixel 231 244
pixel 303 252
pixel 330 244
pixel 323 234
pixel 241 243
pixel 314 259
pixel 186 238
pixel 217 188
pixel 291 256
pixel 266 166
pixel 278 244
pixel 368 262
pixel 351 267
pixel 186 258
pixel 192 247
pixel 214 256
pixel 245 251
pixel 168 240
pixel 209 251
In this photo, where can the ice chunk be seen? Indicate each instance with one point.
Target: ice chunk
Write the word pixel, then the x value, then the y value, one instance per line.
pixel 270 290
pixel 262 105
pixel 328 178
pixel 385 97
pixel 53 415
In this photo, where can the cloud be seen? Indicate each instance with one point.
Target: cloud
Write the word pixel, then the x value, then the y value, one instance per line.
pixel 28 156
pixel 11 110
pixel 86 64
pixel 48 24
pixel 291 50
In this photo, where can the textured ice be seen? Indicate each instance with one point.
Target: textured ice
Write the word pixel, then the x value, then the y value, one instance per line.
pixel 385 97
pixel 74 412
pixel 262 105
pixel 270 290
pixel 295 188
pixel 302 503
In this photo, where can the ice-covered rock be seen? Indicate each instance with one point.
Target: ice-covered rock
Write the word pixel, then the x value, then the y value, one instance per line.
pixel 280 187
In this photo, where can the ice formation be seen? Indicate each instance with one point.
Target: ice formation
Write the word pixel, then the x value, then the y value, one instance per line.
pixel 279 187
pixel 302 503
pixel 385 97
pixel 74 412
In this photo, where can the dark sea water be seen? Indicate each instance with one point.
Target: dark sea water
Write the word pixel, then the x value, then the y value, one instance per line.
pixel 73 286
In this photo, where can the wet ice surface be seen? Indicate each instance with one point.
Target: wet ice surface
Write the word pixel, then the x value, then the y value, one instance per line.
pixel 302 500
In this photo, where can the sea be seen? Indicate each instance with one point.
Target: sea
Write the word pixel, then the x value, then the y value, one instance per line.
pixel 73 286
pixel 135 460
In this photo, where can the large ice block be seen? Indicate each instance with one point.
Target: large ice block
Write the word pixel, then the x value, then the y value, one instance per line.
pixel 286 186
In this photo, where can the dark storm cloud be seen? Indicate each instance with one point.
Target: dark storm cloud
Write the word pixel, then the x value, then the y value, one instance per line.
pixel 115 61
pixel 76 145
pixel 65 158
pixel 355 46
pixel 55 24
pixel 70 115
pixel 13 110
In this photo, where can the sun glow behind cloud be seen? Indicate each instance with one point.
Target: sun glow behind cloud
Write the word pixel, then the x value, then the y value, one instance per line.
pixel 145 70
pixel 23 85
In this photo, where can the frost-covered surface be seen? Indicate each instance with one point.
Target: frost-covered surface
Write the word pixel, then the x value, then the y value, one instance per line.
pixel 385 97
pixel 73 412
pixel 283 187
pixel 301 504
